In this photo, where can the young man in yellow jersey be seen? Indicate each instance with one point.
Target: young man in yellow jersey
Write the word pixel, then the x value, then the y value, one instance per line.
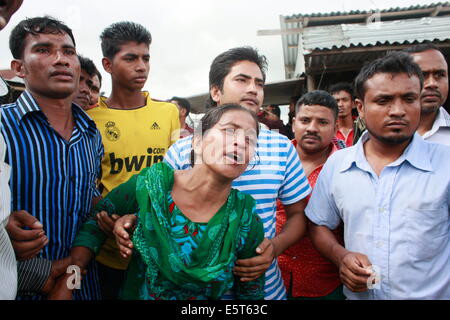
pixel 136 129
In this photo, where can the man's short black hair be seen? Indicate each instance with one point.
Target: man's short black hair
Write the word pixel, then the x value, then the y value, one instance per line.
pixel 87 65
pixel 222 64
pixel 183 103
pixel 120 33
pixel 394 63
pixel 342 86
pixel 318 97
pixel 421 47
pixel 35 26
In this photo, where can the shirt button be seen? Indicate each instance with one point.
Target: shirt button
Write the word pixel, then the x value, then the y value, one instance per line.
pixel 381 210
pixel 380 244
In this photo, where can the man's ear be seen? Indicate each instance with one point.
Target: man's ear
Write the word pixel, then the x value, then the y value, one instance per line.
pixel 107 64
pixel 18 68
pixel 293 125
pixel 215 94
pixel 360 107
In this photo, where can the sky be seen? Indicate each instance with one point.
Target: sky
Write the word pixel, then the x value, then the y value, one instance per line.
pixel 187 34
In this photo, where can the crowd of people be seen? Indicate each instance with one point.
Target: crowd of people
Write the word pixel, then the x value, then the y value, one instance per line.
pixel 350 200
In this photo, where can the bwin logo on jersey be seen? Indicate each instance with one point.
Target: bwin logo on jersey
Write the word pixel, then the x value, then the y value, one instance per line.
pixel 155 126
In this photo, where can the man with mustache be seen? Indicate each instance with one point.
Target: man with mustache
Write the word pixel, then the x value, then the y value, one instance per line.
pixel 54 150
pixel 390 191
pixel 343 93
pixel 306 274
pixel 137 130
pixel 434 119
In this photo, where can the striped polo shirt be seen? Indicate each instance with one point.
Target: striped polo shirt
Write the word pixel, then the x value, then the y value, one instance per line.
pixel 51 178
pixel 274 172
pixel 8 266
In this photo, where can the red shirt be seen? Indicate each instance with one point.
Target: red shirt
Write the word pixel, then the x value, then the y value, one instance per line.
pixel 302 266
pixel 348 141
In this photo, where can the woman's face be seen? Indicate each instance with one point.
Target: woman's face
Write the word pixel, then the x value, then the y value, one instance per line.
pixel 229 145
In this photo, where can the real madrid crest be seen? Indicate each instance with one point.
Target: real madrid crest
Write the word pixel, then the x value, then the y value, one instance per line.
pixel 112 133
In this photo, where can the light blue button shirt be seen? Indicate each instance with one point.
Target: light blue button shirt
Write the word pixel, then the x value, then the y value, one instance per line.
pixel 400 220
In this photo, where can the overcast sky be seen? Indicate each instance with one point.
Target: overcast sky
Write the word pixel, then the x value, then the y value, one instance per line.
pixel 187 34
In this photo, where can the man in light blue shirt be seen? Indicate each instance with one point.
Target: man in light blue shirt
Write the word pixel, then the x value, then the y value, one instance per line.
pixel 392 192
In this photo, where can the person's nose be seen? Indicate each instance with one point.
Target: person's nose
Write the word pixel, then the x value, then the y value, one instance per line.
pixel 397 109
pixel 430 82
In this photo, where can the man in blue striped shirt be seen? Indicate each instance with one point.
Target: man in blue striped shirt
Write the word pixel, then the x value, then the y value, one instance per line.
pixel 53 147
pixel 238 76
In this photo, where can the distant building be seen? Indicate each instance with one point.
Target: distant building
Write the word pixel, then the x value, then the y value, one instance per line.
pixel 326 48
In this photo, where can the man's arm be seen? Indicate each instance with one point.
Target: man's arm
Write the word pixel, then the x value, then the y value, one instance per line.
pixel 294 228
pixel 40 275
pixel 354 268
pixel 292 194
pixel 268 250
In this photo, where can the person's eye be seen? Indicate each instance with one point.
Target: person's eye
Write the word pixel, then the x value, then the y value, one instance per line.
pixel 42 50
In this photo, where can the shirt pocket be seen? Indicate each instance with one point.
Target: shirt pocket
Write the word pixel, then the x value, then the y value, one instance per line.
pixel 427 232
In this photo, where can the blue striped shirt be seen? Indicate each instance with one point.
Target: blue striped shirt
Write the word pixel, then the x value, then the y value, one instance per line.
pixel 51 178
pixel 274 172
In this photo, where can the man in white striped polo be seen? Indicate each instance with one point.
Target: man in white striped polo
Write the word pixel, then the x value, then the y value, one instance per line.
pixel 8 268
pixel 238 76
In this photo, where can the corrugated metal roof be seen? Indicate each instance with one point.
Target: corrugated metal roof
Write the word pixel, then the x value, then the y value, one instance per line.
pixel 338 30
pixel 399 31
pixel 363 12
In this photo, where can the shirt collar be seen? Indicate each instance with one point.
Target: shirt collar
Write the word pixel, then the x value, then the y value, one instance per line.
pixel 416 153
pixel 27 104
pixel 102 100
pixel 334 148
pixel 442 119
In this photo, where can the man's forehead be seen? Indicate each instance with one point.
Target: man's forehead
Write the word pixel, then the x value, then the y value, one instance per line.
pixel 430 60
pixel 315 110
pixel 341 94
pixel 132 47
pixel 85 74
pixel 391 84
pixel 60 37
pixel 247 68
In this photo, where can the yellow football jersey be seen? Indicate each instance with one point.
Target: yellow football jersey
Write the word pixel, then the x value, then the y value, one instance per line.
pixel 133 140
